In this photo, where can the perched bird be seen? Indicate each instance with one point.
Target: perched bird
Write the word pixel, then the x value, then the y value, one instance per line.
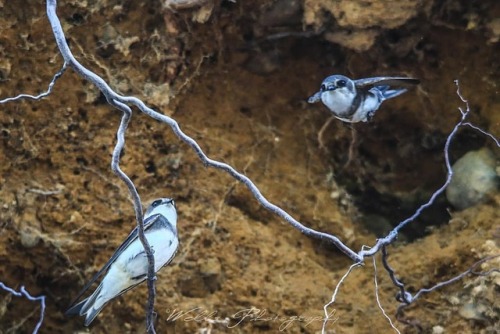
pixel 129 265
pixel 357 100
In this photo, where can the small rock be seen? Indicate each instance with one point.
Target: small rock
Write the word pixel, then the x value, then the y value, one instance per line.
pixel 360 40
pixel 378 225
pixel 29 237
pixel 494 27
pixel 472 311
pixel 192 286
pixel 474 177
pixel 211 270
pixel 282 13
pixel 437 330
pixel 204 279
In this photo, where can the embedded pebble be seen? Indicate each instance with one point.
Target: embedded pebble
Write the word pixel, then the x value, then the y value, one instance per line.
pixel 29 237
pixel 211 270
pixel 474 177
pixel 437 330
pixel 471 311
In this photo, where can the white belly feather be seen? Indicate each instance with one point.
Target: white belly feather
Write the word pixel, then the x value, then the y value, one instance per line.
pixel 134 263
pixel 337 101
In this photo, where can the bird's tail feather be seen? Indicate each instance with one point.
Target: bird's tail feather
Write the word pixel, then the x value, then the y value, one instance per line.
pixel 92 313
pixel 388 93
pixel 76 309
pixel 86 307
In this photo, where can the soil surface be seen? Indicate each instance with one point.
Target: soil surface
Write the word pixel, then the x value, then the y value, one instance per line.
pixel 236 76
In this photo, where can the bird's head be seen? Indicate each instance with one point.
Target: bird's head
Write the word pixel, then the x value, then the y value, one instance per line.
pixel 337 84
pixel 165 207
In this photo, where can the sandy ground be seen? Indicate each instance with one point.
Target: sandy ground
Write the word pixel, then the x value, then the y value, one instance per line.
pixel 240 89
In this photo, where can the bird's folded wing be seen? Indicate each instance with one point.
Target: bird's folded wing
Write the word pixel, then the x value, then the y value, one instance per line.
pixel 391 81
pixel 131 237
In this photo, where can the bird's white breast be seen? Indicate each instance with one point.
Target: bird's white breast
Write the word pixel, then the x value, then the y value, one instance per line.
pixel 134 260
pixel 338 101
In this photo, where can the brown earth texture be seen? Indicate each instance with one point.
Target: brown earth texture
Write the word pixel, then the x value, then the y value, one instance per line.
pixel 236 76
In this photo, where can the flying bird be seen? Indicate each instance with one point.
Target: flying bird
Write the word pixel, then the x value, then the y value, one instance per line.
pixel 357 100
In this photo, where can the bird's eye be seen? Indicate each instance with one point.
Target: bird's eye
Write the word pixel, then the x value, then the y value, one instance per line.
pixel 341 83
pixel 323 87
pixel 156 203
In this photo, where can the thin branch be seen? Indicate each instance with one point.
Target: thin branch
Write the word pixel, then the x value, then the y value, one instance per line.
pixel 497 142
pixel 460 276
pixel 42 95
pixel 377 297
pixel 450 281
pixel 334 295
pixel 115 166
pixel 26 294
pixel 394 233
pixel 403 296
pixel 114 100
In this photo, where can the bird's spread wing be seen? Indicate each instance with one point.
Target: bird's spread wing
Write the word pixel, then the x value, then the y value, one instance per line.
pixel 390 81
pixel 131 237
